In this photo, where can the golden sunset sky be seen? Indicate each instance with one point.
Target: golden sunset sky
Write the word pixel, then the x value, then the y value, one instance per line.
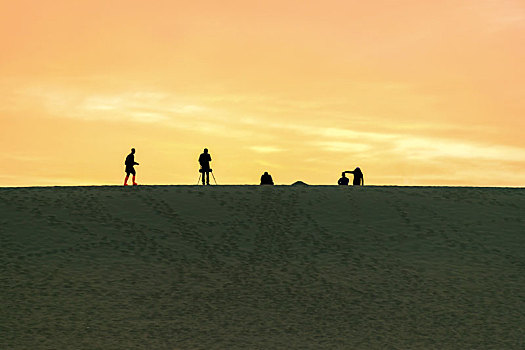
pixel 413 92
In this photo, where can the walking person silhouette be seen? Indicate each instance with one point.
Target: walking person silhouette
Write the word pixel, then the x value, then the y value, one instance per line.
pixel 130 163
pixel 204 161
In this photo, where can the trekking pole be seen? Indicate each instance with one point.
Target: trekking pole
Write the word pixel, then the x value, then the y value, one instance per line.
pixel 199 180
pixel 214 177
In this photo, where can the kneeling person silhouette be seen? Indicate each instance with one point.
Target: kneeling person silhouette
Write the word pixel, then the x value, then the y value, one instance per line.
pixel 343 181
pixel 266 179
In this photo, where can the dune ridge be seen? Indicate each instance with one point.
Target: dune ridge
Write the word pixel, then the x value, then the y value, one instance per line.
pixel 249 267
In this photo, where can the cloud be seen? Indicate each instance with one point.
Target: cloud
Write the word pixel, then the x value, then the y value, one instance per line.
pixel 265 149
pixel 421 148
pixel 183 113
pixel 394 143
pixel 339 146
pixel 146 117
pixel 136 106
pixel 188 109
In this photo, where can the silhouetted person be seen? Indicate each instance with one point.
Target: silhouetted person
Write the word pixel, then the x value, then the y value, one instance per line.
pixel 343 181
pixel 266 179
pixel 204 161
pixel 130 163
pixel 359 179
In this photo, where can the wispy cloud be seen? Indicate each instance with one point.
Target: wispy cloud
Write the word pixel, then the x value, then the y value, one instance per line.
pixel 403 145
pixel 340 146
pixel 136 106
pixel 265 149
pixel 421 148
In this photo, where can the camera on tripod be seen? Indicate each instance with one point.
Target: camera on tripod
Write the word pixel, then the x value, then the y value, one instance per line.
pixel 205 172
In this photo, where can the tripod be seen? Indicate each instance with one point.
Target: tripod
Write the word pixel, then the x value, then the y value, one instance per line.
pixel 201 173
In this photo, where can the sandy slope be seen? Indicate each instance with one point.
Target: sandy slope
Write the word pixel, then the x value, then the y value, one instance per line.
pixel 245 267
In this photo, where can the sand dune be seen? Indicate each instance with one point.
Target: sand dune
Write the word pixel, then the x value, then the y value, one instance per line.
pixel 247 267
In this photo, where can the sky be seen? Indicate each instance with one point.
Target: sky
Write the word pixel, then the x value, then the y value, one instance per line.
pixel 412 92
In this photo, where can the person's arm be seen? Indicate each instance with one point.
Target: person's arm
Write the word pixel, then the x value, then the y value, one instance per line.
pixel 348 171
pixel 362 180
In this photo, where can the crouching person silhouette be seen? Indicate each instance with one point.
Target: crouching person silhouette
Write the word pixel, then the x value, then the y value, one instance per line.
pixel 266 179
pixel 204 161
pixel 130 163
pixel 343 181
pixel 359 179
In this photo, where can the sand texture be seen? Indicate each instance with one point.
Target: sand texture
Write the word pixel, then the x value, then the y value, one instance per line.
pixel 248 267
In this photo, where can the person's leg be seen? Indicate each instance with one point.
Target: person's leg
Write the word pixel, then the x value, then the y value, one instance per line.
pixel 203 176
pixel 134 175
pixel 126 180
pixel 207 178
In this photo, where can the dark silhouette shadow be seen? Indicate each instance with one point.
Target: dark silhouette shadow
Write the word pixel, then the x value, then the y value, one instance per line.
pixel 130 163
pixel 359 179
pixel 204 161
pixel 266 179
pixel 343 181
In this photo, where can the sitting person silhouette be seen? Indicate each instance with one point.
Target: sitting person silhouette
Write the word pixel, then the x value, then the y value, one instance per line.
pixel 359 179
pixel 204 161
pixel 266 179
pixel 130 163
pixel 343 181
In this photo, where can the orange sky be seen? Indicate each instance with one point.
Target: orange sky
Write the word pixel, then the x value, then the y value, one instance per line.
pixel 413 92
